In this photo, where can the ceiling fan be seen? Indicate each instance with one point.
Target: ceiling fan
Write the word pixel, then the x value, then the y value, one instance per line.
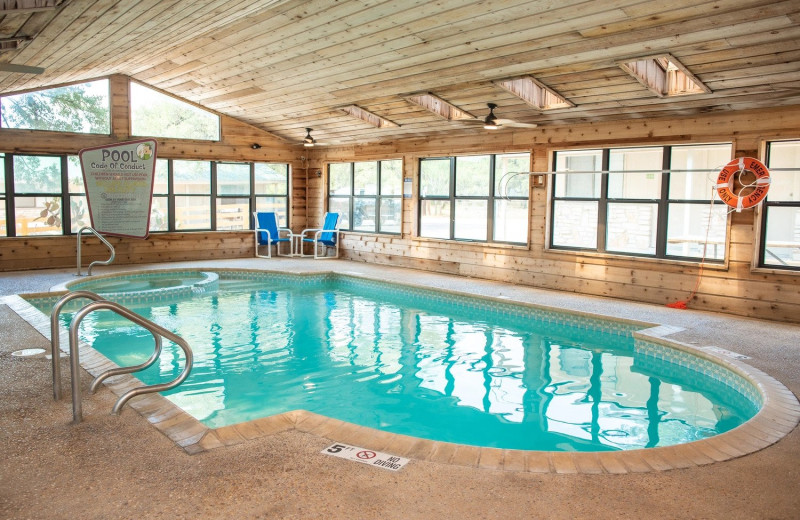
pixel 309 141
pixel 22 69
pixel 492 122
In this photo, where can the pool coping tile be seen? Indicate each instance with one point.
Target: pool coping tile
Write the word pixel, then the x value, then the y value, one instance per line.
pixel 779 413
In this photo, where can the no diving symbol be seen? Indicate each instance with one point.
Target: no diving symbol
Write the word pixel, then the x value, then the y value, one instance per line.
pixel 366 455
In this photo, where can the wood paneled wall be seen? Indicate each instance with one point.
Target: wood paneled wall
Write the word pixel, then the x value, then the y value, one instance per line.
pixel 735 288
pixel 235 144
pixel 47 252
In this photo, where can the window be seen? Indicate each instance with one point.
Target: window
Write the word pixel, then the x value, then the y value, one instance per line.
pixel 159 206
pixel 272 190
pixel 780 223
pixel 37 202
pixel 78 207
pixel 649 201
pixel 477 197
pixel 367 195
pixel 3 218
pixel 82 108
pixel 154 114
pixel 191 182
pixel 187 195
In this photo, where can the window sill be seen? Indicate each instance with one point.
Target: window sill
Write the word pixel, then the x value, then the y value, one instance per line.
pixel 775 271
pixel 368 233
pixel 715 266
pixel 476 243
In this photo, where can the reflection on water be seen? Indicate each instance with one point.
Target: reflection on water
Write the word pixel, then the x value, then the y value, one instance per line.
pixel 452 373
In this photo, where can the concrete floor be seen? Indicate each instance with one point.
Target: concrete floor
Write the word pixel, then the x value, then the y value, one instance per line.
pixel 122 467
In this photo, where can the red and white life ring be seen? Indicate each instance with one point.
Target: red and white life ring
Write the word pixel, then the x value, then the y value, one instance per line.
pixel 727 176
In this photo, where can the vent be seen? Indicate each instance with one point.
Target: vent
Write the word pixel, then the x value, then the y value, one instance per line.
pixel 534 93
pixel 664 76
pixel 439 106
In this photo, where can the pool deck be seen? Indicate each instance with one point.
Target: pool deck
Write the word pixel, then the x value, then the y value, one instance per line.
pixel 124 467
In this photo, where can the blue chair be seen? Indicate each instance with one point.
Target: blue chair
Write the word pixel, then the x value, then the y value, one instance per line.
pixel 268 234
pixel 326 236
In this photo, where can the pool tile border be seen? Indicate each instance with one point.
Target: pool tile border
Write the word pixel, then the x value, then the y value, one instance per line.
pixel 779 415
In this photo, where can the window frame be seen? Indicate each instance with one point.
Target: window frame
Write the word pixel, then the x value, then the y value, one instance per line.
pixel 10 195
pixel 490 198
pixel 761 255
pixel 377 197
pixel 663 203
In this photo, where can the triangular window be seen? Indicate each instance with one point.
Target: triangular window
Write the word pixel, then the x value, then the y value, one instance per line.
pixel 154 114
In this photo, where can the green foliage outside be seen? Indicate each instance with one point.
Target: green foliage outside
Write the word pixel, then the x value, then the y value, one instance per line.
pixel 156 115
pixel 75 108
pixel 37 174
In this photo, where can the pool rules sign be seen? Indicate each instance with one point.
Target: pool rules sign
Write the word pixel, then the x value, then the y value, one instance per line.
pixel 119 186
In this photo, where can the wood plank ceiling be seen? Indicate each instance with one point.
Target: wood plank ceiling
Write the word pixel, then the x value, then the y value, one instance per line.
pixel 285 65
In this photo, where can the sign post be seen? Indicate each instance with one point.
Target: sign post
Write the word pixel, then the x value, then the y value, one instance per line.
pixel 119 186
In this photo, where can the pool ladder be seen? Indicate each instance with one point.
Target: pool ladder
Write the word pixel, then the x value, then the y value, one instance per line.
pixel 99 303
pixel 98 262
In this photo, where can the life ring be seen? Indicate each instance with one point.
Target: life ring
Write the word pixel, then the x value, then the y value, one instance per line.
pixel 727 176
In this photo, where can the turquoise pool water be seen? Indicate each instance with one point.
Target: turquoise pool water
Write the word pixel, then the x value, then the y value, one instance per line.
pixel 426 364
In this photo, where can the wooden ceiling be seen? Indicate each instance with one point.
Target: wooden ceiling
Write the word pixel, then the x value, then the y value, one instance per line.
pixel 285 65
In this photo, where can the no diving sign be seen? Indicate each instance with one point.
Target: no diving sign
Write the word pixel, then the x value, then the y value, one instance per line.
pixel 373 458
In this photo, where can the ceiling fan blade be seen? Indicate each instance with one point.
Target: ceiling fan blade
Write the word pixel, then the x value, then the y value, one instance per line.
pixel 22 69
pixel 511 122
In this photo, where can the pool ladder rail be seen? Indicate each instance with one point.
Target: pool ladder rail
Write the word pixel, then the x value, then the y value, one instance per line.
pixel 98 262
pixel 99 303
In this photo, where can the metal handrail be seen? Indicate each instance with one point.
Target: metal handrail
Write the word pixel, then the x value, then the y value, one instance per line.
pixel 55 348
pixel 101 304
pixel 98 262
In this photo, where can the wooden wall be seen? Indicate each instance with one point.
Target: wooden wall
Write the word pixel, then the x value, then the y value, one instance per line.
pixel 735 287
pixel 235 144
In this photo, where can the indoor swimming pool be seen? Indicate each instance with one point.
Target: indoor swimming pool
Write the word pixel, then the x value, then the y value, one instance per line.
pixel 425 363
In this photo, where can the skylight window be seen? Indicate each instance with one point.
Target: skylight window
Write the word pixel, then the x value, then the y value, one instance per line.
pixel 367 116
pixel 534 93
pixel 439 106
pixel 28 5
pixel 154 114
pixel 12 44
pixel 664 76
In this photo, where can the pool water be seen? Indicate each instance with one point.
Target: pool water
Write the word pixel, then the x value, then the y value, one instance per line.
pixel 422 363
pixel 144 282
